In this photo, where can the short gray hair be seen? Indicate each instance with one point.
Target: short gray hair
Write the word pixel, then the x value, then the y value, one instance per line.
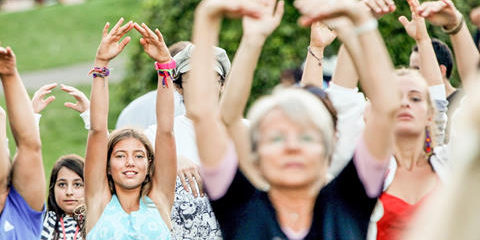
pixel 301 107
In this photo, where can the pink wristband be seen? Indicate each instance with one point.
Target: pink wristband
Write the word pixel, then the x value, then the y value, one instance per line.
pixel 171 65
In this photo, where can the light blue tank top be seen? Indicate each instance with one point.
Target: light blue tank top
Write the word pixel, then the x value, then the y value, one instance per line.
pixel 115 223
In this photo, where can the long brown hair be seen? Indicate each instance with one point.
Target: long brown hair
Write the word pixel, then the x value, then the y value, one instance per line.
pixel 125 133
pixel 74 163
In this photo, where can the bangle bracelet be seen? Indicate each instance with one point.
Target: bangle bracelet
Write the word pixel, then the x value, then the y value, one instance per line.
pixel 368 26
pixel 456 29
pixel 315 56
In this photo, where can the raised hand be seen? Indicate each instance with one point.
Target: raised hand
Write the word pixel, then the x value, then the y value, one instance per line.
pixel 440 13
pixel 415 28
pixel 267 22
pixel 39 102
pixel 82 104
pixel 153 43
pixel 320 35
pixel 8 62
pixel 111 46
pixel 380 7
pixel 215 9
pixel 316 10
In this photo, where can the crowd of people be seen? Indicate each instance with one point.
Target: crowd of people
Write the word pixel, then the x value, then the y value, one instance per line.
pixel 397 160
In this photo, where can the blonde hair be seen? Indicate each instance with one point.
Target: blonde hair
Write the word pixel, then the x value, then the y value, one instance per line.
pixel 454 212
pixel 413 73
pixel 301 107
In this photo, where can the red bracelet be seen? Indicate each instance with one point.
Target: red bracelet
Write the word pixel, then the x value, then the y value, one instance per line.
pixel 164 66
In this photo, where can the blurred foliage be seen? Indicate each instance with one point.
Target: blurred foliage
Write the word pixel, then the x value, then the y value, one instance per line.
pixel 285 48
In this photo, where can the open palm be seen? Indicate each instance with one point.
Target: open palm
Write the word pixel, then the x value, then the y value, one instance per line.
pixel 153 43
pixel 415 28
pixel 111 45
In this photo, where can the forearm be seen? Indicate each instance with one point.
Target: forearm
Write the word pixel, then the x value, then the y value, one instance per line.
pixel 429 67
pixel 200 97
pixel 165 106
pixel 345 74
pixel 4 158
pixel 466 53
pixel 237 89
pixel 380 88
pixel 99 98
pixel 313 71
pixel 377 83
pixel 20 113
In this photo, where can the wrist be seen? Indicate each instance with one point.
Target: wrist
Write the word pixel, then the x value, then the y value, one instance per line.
pixel 423 40
pixel 316 49
pixel 458 20
pixel 254 39
pixel 448 29
pixel 100 62
pixel 14 73
pixel 203 11
pixel 164 60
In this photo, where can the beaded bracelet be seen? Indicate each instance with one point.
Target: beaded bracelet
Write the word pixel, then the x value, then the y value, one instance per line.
pixel 165 70
pixel 99 72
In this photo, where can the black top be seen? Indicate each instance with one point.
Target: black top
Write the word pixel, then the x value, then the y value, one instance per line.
pixel 342 210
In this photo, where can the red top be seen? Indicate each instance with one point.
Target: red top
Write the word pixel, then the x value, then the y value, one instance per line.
pixel 397 215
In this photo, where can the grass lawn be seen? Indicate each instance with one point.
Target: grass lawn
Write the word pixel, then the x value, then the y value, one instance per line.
pixel 62 35
pixel 62 130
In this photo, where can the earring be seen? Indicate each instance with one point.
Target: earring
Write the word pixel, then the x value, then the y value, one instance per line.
pixel 428 143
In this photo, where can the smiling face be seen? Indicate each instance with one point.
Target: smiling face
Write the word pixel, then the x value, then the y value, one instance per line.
pixel 128 163
pixel 69 192
pixel 291 155
pixel 415 112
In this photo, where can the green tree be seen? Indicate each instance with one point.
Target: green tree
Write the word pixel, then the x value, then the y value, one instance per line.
pixel 285 48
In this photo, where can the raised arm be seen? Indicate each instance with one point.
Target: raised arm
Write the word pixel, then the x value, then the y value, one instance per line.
pixel 320 37
pixel 444 13
pixel 239 82
pixel 376 76
pixel 5 165
pixel 97 193
pixel 28 176
pixel 417 30
pixel 200 100
pixel 165 154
